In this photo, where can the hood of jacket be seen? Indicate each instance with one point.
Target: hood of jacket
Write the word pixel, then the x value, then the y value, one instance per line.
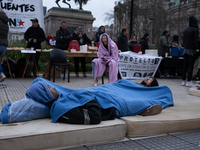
pixel 193 22
pixel 109 42
pixel 100 28
pixel 40 92
pixel 175 38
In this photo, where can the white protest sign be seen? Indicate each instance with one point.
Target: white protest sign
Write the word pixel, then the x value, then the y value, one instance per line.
pixel 20 12
pixel 135 66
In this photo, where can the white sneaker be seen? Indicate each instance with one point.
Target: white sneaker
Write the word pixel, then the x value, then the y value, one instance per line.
pixel 183 83
pixel 2 77
pixel 95 82
pixel 189 84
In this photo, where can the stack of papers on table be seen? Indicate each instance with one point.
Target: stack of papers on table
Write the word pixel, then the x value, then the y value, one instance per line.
pixel 28 51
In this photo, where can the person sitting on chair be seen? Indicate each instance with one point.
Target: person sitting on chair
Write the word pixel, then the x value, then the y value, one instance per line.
pixel 107 57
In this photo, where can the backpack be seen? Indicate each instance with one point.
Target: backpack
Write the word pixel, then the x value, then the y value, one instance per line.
pixel 21 63
pixel 12 64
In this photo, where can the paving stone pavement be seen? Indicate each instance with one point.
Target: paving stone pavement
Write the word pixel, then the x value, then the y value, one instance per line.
pixel 179 141
pixel 14 89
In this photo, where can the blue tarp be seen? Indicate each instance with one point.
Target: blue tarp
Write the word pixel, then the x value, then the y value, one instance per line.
pixel 127 97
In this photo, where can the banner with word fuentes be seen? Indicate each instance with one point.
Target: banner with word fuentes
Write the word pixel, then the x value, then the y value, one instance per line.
pixel 20 12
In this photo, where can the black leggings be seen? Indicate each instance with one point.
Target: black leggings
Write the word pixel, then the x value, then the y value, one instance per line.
pixel 188 64
pixel 76 61
pixel 90 113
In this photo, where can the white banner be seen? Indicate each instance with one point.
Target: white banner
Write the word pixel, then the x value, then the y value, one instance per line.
pixel 135 66
pixel 20 12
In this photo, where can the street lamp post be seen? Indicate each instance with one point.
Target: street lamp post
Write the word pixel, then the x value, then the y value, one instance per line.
pixel 151 19
pixel 131 19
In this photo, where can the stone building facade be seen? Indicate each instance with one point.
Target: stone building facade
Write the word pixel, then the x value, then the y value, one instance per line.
pixel 179 16
pixel 73 17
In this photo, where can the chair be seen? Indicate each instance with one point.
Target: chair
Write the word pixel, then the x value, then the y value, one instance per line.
pixel 58 58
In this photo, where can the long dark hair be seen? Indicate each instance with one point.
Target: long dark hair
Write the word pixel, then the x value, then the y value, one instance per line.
pixel 176 38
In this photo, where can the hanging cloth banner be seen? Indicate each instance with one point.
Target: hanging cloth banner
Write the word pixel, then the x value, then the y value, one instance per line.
pixel 135 66
pixel 20 12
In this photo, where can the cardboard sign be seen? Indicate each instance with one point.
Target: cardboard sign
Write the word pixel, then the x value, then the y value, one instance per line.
pixel 135 66
pixel 20 12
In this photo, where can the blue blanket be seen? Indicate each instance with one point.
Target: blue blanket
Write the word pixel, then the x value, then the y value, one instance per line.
pixel 127 97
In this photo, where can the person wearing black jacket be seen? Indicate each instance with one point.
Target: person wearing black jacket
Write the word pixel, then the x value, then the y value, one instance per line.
pixel 63 37
pixel 144 42
pixel 191 43
pixel 35 36
pixel 97 35
pixel 132 42
pixel 82 38
pixel 123 40
pixel 3 39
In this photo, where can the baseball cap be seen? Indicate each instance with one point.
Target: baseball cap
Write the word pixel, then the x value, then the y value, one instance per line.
pixel 34 19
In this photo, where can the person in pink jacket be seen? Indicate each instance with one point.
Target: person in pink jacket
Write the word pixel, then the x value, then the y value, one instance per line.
pixel 107 59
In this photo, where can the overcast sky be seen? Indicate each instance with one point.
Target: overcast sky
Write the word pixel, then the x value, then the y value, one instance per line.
pixel 97 7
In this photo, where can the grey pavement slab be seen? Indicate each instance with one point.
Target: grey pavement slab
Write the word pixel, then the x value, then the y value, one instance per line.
pixel 192 137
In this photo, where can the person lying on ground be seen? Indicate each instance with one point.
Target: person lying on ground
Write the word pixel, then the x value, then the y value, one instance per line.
pixel 106 102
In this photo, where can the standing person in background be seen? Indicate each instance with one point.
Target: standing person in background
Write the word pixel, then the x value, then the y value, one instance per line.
pixel 175 44
pixel 123 40
pixel 191 43
pixel 35 36
pixel 63 37
pixel 131 42
pixel 163 48
pixel 3 39
pixel 164 44
pixel 144 42
pixel 82 39
pixel 97 35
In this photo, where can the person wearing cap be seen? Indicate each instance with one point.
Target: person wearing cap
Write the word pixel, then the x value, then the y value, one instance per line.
pixel 63 36
pixel 3 39
pixel 82 39
pixel 144 42
pixel 35 36
pixel 52 41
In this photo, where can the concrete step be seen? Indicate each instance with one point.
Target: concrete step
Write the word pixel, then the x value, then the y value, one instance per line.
pixel 42 134
pixel 184 116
